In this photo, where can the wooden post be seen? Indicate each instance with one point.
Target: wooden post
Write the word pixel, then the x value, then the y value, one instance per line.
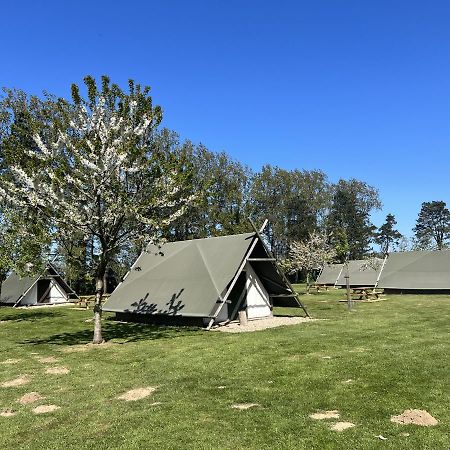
pixel 347 285
pixel 243 318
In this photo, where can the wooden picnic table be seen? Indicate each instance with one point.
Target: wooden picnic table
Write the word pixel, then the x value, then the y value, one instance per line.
pixel 320 287
pixel 367 293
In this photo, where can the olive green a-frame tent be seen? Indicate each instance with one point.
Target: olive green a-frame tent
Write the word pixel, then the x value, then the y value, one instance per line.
pixel 202 282
pixel 49 287
pixel 329 275
pixel 417 270
pixel 360 274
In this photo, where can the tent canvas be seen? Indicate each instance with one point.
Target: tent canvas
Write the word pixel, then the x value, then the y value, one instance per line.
pixel 330 274
pixel 417 270
pixel 360 275
pixel 203 279
pixel 46 288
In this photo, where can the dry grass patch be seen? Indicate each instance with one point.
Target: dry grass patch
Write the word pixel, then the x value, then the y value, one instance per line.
pixel 342 426
pixel 334 414
pixel 31 397
pixel 44 409
pixel 19 381
pixel 243 406
pixel 415 417
pixel 137 394
pixel 57 371
pixel 47 360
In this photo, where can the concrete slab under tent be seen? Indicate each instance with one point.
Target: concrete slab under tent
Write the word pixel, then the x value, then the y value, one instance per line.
pixel 45 289
pixel 359 274
pixel 202 282
pixel 417 271
pixel 330 274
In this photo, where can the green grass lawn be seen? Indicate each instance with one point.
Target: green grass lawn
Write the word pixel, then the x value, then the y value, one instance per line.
pixel 395 351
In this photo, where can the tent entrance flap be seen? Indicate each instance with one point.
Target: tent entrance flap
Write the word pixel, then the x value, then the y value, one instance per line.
pixel 43 290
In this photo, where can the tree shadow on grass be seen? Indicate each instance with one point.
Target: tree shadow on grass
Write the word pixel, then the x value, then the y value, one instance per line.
pixel 119 332
pixel 28 315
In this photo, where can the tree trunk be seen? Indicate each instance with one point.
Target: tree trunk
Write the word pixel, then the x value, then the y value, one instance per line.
pixel 307 283
pixel 98 339
pixel 105 282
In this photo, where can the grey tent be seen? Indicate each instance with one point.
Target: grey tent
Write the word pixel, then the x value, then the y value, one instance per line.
pixel 46 288
pixel 360 275
pixel 330 274
pixel 202 281
pixel 418 270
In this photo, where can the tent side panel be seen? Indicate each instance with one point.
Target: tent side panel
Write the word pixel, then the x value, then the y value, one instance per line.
pixel 30 297
pixel 57 294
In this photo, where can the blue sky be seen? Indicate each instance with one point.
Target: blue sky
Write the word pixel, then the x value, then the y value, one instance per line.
pixel 355 88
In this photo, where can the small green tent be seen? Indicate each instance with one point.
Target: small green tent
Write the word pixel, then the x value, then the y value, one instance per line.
pixel 202 281
pixel 47 288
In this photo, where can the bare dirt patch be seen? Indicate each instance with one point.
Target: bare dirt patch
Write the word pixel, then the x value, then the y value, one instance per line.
pixel 137 394
pixel 415 417
pixel 7 412
pixel 11 361
pixel 43 409
pixel 57 371
pixel 243 406
pixel 341 426
pixel 31 397
pixel 47 360
pixel 19 381
pixel 262 324
pixel 334 414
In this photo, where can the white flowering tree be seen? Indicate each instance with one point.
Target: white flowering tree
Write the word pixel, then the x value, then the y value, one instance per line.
pixel 93 169
pixel 309 255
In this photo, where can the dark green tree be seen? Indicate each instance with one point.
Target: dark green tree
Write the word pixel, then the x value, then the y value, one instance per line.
pixel 221 185
pixel 387 236
pixel 295 203
pixel 433 225
pixel 348 223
